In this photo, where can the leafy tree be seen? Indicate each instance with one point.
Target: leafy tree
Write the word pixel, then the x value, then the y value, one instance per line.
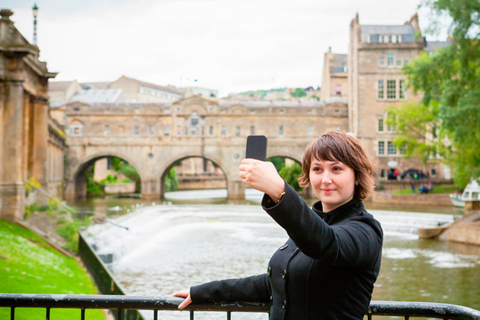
pixel 298 93
pixel 290 174
pixel 171 181
pixel 449 80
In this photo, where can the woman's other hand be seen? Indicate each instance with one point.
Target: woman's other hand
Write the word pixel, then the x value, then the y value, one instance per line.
pixel 183 294
pixel 263 176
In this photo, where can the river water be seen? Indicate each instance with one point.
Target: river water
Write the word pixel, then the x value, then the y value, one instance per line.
pixel 176 244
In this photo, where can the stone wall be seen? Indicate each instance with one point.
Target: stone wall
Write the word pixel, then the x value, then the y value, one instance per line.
pixel 387 197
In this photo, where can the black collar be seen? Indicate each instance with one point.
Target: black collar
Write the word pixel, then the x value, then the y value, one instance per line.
pixel 346 210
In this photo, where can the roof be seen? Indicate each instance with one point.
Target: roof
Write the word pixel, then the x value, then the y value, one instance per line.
pixel 339 60
pixel 95 85
pixel 253 104
pixel 387 29
pixel 434 45
pixel 98 95
pixel 154 86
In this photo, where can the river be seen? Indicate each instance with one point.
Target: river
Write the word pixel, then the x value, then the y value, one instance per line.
pixel 178 243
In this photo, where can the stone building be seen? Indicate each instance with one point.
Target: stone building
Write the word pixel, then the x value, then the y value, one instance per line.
pixel 335 76
pixel 31 143
pixel 376 56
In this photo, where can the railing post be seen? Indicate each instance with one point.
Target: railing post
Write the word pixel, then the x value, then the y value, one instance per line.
pixel 12 313
pixel 82 314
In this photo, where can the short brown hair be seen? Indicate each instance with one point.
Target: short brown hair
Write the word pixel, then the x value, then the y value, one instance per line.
pixel 338 146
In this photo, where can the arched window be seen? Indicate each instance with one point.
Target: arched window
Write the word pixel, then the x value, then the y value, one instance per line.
pixel 76 128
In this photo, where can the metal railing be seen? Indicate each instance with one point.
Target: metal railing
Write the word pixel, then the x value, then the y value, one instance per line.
pixel 119 304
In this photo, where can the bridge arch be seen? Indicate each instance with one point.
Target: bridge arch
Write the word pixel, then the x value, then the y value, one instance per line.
pixel 163 170
pixel 77 184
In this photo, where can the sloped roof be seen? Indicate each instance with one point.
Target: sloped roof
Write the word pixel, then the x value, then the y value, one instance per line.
pixel 95 85
pixel 434 45
pixel 387 29
pixel 97 96
pixel 154 86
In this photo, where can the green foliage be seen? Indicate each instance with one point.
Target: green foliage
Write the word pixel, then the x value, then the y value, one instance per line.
pixel 298 93
pixel 171 181
pixel 29 265
pixel 278 162
pixel 117 163
pixel 290 174
pixel 449 79
pixel 132 174
pixel 69 231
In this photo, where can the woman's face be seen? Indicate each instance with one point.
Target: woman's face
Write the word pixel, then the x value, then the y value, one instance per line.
pixel 333 182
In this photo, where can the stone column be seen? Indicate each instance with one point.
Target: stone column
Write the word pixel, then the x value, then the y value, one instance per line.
pixel 236 189
pixel 12 188
pixel 40 147
pixel 151 189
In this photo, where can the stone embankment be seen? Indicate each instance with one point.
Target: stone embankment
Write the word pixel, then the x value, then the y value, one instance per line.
pixel 465 229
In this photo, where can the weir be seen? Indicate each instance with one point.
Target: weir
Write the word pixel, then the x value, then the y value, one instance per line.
pixel 170 247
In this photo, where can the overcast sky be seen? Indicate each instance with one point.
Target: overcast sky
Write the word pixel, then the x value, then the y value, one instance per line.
pixel 228 45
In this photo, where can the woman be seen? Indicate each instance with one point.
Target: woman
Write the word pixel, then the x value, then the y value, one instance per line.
pixel 327 268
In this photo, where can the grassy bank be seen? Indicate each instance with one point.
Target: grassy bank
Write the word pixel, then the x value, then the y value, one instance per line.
pixel 29 265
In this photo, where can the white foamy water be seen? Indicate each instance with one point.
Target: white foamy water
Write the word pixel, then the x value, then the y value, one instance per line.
pixel 171 247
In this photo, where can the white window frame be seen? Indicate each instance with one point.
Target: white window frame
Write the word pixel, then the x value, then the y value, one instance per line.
pixel 73 130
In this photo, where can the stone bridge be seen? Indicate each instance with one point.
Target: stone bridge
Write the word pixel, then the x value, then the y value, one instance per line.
pixel 153 138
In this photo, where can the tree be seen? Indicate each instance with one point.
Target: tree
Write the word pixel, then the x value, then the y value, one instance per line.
pixel 449 79
pixel 290 174
pixel 298 93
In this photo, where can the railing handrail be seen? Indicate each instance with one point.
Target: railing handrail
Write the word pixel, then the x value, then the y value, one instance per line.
pixel 379 308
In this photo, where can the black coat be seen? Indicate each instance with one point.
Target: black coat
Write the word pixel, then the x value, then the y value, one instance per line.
pixel 326 270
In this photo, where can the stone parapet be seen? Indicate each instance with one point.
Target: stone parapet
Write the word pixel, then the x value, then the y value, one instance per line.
pixel 387 197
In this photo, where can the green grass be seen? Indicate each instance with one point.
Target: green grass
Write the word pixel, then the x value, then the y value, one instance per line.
pixel 450 189
pixel 29 265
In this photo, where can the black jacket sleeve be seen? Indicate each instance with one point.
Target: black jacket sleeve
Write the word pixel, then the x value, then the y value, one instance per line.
pixel 355 241
pixel 249 289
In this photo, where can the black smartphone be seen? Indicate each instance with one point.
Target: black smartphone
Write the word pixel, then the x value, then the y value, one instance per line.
pixel 256 147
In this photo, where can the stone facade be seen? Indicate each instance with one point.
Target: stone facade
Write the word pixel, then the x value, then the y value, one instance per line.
pixel 376 56
pixel 154 137
pixel 30 145
pixel 335 76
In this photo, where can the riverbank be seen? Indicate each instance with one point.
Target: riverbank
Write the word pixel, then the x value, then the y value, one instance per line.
pixel 28 264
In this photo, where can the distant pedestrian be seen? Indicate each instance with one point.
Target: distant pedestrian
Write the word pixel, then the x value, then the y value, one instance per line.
pixel 412 185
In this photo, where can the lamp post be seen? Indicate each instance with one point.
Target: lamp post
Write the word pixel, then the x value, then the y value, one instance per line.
pixel 35 14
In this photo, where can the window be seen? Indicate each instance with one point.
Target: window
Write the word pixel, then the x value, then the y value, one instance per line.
pixel 381 62
pixel 399 62
pixel 392 149
pixel 309 131
pixel 391 89
pixel 76 130
pixel 151 131
pixel 390 39
pixel 401 88
pixel 390 59
pixel 403 149
pixel 166 131
pixel 224 131
pixel 391 124
pixel 280 131
pixel 106 130
pixel 381 147
pixel 281 111
pixel 194 118
pixel 136 130
pixel 223 111
pixel 338 89
pixel 380 125
pixel 380 89
pixel 253 111
pixel 237 131
pixel 210 130
pixel 252 129
pixel 406 60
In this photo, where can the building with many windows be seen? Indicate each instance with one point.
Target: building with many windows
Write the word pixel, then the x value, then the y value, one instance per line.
pixel 377 54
